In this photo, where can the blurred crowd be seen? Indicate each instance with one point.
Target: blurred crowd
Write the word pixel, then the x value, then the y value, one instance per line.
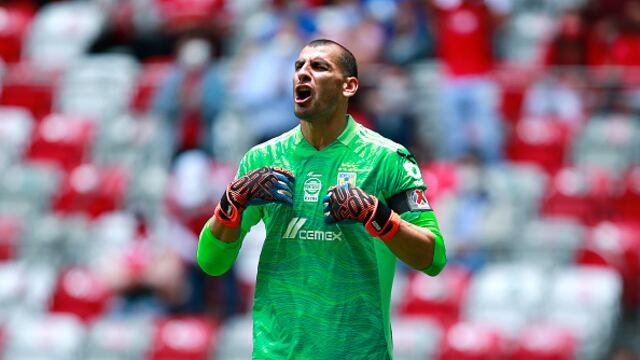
pixel 121 122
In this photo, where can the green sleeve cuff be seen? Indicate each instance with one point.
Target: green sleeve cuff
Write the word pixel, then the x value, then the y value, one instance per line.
pixel 215 257
pixel 427 219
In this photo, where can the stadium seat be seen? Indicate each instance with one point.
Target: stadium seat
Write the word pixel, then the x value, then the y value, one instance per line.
pixel 469 341
pixel 16 19
pixel 542 142
pixel 549 241
pixel 519 184
pixel 12 289
pixel 150 77
pixel 27 189
pixel 29 86
pixel 626 203
pixel 440 298
pixel 82 293
pixel 608 142
pixel 584 194
pixel 99 87
pixel 587 300
pixel 10 233
pixel 116 338
pixel 506 295
pixel 62 140
pixel 52 337
pixel 545 342
pixel 235 339
pixel 415 338
pixel 62 31
pixel 440 178
pixel 92 191
pixel 617 246
pixel 16 126
pixel 183 338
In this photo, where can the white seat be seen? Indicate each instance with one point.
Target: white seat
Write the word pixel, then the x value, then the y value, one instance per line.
pixel 54 337
pixel 550 241
pixel 98 86
pixel 415 338
pixel 16 126
pixel 235 339
pixel 63 31
pixel 587 300
pixel 119 338
pixel 508 295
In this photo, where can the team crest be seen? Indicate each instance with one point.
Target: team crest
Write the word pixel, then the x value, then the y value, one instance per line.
pixel 346 178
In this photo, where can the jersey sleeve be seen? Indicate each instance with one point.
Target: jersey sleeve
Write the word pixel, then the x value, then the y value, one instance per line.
pixel 215 256
pixel 404 189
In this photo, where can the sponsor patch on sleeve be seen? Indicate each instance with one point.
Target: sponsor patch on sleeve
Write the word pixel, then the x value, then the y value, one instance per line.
pixel 409 200
pixel 417 200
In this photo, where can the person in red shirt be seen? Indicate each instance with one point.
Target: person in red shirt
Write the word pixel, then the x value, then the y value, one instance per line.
pixel 464 36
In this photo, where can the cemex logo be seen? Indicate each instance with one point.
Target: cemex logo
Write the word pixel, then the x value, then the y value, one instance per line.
pixel 294 232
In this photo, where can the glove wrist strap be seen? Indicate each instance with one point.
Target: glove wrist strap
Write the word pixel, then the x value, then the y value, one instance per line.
pixel 384 223
pixel 227 213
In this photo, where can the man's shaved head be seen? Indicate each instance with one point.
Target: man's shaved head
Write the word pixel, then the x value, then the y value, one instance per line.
pixel 346 60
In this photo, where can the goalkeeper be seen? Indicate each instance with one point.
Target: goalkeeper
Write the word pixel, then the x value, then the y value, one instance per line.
pixel 340 204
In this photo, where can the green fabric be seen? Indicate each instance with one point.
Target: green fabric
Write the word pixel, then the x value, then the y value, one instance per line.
pixel 323 291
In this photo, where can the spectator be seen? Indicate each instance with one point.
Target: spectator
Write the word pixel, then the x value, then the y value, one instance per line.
pixel 409 39
pixel 465 30
pixel 191 96
pixel 260 83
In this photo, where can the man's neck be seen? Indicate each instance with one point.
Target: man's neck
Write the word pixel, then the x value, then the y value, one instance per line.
pixel 320 133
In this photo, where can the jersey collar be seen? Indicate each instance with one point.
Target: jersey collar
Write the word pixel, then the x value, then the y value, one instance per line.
pixel 345 138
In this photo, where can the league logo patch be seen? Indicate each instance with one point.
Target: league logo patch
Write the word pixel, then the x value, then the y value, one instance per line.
pixel 346 178
pixel 417 200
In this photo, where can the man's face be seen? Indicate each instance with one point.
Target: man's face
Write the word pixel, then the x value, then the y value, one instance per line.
pixel 317 82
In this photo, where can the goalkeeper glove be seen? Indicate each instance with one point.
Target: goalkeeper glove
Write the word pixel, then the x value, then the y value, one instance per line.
pixel 260 186
pixel 350 204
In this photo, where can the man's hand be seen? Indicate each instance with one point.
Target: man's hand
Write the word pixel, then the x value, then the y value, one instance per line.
pixel 348 204
pixel 260 186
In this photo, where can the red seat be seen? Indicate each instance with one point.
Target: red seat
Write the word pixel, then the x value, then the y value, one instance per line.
pixel 617 246
pixel 183 338
pixel 188 13
pixel 466 341
pixel 28 86
pixel 10 231
pixel 439 298
pixel 582 194
pixel 545 342
pixel 91 190
pixel 148 81
pixel 14 25
pixel 440 177
pixel 80 292
pixel 626 204
pixel 62 140
pixel 543 142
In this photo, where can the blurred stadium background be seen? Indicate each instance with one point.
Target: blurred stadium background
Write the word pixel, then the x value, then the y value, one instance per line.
pixel 121 122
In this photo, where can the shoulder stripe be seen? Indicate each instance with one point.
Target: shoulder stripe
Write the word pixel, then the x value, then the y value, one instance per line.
pixel 379 140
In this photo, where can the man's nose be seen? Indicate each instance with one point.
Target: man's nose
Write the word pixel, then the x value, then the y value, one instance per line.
pixel 302 74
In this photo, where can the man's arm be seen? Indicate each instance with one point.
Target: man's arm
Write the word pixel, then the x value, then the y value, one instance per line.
pixel 219 245
pixel 416 239
pixel 220 238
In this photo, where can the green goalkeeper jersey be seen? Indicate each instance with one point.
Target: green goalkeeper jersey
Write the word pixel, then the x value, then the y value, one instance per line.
pixel 323 291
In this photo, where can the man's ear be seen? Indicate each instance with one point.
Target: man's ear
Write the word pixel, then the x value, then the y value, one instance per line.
pixel 350 86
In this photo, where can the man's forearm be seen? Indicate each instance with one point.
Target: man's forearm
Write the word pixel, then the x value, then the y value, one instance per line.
pixel 413 245
pixel 222 232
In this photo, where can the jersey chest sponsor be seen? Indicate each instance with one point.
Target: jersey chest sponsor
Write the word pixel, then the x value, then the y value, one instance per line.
pixel 295 230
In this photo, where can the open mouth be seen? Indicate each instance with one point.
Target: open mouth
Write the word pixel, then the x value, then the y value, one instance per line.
pixel 302 94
